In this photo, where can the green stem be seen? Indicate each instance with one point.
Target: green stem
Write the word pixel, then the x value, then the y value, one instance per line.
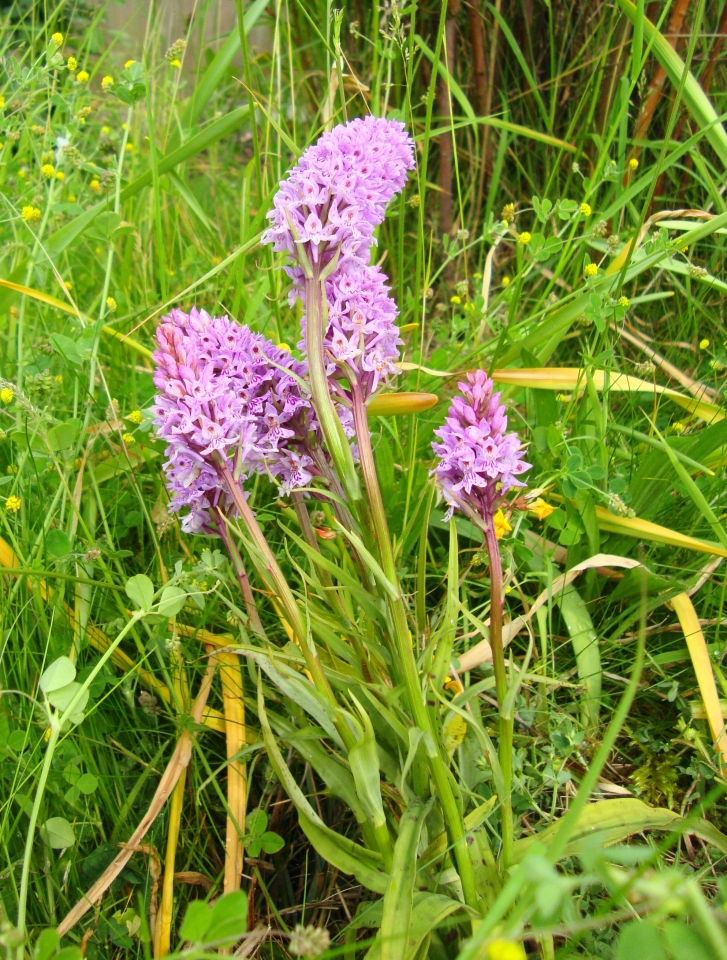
pixel 285 596
pixel 498 663
pixel 316 309
pixel 405 655
pixel 55 731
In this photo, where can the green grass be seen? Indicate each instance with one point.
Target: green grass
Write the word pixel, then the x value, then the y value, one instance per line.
pixel 161 203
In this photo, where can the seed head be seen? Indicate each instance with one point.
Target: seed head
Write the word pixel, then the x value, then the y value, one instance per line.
pixel 508 213
pixel 309 942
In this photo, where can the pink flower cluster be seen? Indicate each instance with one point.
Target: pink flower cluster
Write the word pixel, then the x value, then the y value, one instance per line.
pixel 329 207
pixel 478 460
pixel 227 392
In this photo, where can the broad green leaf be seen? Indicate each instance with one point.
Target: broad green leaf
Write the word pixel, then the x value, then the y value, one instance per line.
pixel 62 698
pixel 640 938
pixel 271 842
pixel 171 602
pixel 58 833
pixel 59 674
pixel 685 943
pixel 87 783
pixel 364 761
pixel 398 899
pixel 228 918
pixel 584 640
pixel 140 589
pixel 196 922
pixel 46 944
pixel 257 823
pixel 58 543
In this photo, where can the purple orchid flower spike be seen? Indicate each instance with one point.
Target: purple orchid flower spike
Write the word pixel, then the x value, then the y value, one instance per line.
pixel 325 215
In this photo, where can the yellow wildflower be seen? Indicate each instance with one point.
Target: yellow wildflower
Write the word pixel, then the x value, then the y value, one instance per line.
pixel 6 395
pixel 105 130
pixel 30 214
pixel 585 209
pixel 82 76
pixel 107 83
pixel 110 304
pixel 72 64
pixel 2 103
pixel 129 147
pixel 633 164
pixel 57 38
pixel 12 503
pixel 123 126
pixel 454 686
pixel 455 299
pixel 501 525
pixel 506 281
pixel 59 379
pixel 47 170
pixel 128 439
pixel 60 176
pixel 175 63
pixel 678 426
pixel 591 270
pixel 508 212
pixel 524 238
pixel 624 302
pixel 505 950
pixel 541 509
pixel 136 417
pixel 284 346
pixel 128 64
pixel 95 186
pixel 703 344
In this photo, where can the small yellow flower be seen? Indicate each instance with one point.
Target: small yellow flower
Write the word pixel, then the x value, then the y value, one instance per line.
pixel 30 214
pixel 57 38
pixel 47 170
pixel 678 426
pixel 454 686
pixel 128 439
pixel 128 64
pixel 2 103
pixel 624 302
pixel 12 469
pixel 110 304
pixel 123 126
pixel 105 130
pixel 136 417
pixel 506 281
pixel 284 346
pixel 6 395
pixel 175 63
pixel 585 209
pixel 505 950
pixel 36 128
pixel 524 238
pixel 501 525
pixel 633 164
pixel 60 176
pixel 541 509
pixel 82 76
pixel 72 64
pixel 95 186
pixel 68 285
pixel 107 83
pixel 703 344
pixel 455 299
pixel 72 197
pixel 59 379
pixel 591 270
pixel 129 147
pixel 12 503
pixel 508 212
pixel 22 174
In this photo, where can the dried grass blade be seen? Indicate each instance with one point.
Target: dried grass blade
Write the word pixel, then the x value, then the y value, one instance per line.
pixel 179 762
pixel 234 707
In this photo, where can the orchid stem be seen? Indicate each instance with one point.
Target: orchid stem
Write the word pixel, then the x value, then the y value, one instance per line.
pixel 405 654
pixel 498 663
